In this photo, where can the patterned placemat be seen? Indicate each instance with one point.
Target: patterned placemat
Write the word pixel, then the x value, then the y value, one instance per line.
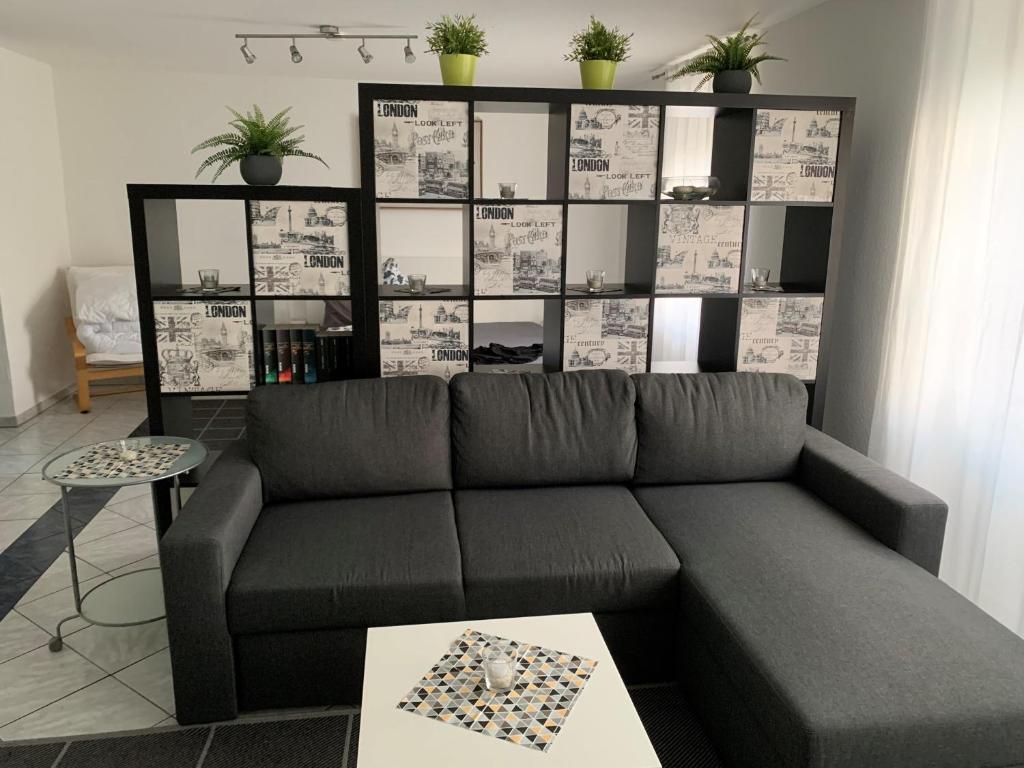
pixel 105 462
pixel 531 714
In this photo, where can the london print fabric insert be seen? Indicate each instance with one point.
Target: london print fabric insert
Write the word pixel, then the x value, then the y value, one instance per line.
pixel 531 714
pixel 104 462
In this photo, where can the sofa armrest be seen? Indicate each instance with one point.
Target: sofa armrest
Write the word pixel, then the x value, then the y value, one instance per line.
pixel 198 555
pixel 903 516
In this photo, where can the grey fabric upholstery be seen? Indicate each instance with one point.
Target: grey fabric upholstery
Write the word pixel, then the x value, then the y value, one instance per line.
pixel 901 515
pixel 349 563
pixel 538 429
pixel 198 556
pixel 718 427
pixel 300 669
pixel 847 655
pixel 560 550
pixel 351 438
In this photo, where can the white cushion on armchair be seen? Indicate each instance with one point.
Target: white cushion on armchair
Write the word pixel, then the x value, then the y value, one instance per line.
pixel 106 313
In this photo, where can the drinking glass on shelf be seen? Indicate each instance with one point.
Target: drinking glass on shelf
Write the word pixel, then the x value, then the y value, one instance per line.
pixel 595 279
pixel 417 283
pixel 759 276
pixel 209 279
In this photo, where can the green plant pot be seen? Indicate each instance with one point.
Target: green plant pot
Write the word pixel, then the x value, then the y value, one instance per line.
pixel 457 68
pixel 598 74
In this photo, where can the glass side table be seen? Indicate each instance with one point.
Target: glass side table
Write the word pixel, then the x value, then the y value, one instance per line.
pixel 131 598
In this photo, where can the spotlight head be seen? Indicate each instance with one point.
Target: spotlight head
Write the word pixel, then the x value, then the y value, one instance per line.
pixel 296 56
pixel 367 56
pixel 410 57
pixel 248 55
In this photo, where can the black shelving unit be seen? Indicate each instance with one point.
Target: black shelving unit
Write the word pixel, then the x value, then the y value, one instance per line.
pixel 158 273
pixel 810 247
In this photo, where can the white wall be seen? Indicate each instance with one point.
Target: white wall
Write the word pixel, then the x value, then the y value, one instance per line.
pixel 871 49
pixel 34 245
pixel 120 126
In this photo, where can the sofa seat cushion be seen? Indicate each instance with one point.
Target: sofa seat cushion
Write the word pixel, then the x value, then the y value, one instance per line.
pixel 539 551
pixel 348 563
pixel 849 654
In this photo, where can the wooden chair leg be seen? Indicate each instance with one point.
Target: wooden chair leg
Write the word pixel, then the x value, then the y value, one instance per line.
pixel 84 401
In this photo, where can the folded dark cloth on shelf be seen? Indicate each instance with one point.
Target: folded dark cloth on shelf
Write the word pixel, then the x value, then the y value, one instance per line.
pixel 495 354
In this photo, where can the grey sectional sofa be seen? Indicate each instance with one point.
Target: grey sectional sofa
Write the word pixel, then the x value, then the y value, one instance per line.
pixel 790 579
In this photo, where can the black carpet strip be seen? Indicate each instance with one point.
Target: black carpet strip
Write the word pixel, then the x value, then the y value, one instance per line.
pixel 320 741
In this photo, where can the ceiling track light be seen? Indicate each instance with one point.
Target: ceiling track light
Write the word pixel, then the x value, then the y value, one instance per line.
pixel 325 32
pixel 367 56
pixel 247 54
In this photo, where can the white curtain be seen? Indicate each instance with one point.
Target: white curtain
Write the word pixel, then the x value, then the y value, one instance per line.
pixel 950 412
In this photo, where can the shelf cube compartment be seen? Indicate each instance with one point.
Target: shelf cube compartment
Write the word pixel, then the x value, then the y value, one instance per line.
pixel 431 240
pixel 300 248
pixel 304 341
pixel 204 346
pixel 618 239
pixel 520 324
pixel 793 242
pixel 606 333
pixel 780 334
pixel 517 249
pixel 421 149
pixel 693 335
pixel 613 151
pixel 424 336
pixel 700 248
pixel 521 144
pixel 794 157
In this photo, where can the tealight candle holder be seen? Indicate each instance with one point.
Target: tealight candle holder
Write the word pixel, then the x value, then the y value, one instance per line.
pixel 499 665
pixel 417 283
pixel 595 279
pixel 759 276
pixel 127 450
pixel 507 190
pixel 209 279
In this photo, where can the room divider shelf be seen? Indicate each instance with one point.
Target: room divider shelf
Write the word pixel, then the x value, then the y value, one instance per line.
pixel 280 245
pixel 590 167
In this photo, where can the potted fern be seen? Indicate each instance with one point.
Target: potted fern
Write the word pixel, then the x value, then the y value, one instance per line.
pixel 458 42
pixel 598 49
pixel 729 63
pixel 258 146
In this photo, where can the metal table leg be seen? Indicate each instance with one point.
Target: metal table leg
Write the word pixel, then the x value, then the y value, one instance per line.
pixel 177 495
pixel 57 642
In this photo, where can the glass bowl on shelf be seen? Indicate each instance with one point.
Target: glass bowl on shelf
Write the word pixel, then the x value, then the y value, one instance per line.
pixel 690 187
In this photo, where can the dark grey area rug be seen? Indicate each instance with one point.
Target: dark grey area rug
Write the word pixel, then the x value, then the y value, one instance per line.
pixel 328 740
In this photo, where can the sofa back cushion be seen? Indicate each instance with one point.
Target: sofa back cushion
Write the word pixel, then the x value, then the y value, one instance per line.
pixel 537 429
pixel 718 427
pixel 351 438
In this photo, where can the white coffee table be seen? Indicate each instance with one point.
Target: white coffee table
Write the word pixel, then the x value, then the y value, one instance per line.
pixel 602 729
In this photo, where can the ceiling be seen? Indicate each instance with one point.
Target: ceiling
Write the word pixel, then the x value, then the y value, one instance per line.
pixel 527 38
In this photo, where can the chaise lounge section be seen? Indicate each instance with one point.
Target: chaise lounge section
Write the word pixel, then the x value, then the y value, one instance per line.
pixel 696 516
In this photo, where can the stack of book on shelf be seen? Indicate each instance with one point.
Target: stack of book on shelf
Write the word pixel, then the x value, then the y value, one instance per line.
pixel 305 354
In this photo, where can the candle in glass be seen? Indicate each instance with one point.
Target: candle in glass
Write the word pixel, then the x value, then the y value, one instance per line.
pixel 417 283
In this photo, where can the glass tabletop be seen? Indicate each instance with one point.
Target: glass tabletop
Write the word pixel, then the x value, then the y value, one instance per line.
pixel 132 598
pixel 194 456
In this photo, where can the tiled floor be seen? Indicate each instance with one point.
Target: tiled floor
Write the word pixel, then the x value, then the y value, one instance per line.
pixel 105 679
